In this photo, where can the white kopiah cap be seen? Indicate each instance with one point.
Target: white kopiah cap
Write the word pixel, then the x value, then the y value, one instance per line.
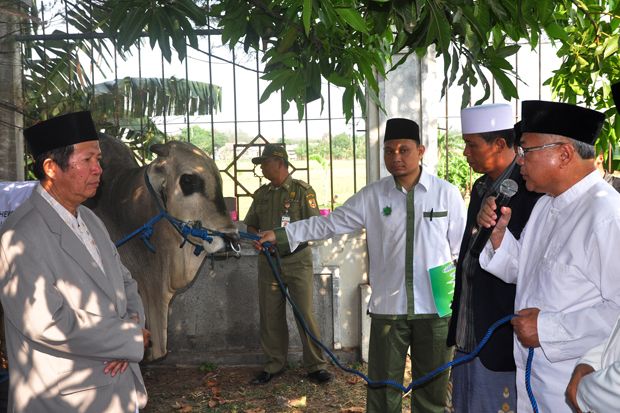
pixel 486 118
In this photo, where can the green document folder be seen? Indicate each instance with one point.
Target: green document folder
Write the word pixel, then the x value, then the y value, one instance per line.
pixel 442 284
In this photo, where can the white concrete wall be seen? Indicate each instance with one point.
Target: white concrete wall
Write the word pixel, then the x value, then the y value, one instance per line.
pixel 347 253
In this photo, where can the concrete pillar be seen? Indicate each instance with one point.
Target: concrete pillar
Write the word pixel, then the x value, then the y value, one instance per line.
pixel 405 93
pixel 365 290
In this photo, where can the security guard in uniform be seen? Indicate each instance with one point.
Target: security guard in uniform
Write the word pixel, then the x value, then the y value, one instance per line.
pixel 276 204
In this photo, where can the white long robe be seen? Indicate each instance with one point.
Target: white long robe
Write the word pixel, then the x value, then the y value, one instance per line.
pixel 566 264
pixel 599 392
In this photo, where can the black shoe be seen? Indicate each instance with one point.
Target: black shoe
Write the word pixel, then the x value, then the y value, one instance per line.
pixel 320 376
pixel 263 378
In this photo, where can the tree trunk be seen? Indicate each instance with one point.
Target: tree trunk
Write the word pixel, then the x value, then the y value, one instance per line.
pixel 11 119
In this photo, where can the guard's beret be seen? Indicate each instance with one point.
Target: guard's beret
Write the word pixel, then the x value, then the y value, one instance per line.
pixel 271 150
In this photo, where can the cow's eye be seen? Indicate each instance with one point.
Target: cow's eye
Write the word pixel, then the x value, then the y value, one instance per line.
pixel 191 184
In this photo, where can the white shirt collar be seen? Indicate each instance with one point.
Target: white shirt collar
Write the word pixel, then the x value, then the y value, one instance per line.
pixel 424 182
pixel 575 191
pixel 64 213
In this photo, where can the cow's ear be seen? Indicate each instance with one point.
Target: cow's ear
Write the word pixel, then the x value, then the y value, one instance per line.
pixel 160 149
pixel 157 176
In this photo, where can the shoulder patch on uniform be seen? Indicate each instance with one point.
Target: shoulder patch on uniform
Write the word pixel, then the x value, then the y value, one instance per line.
pixel 311 200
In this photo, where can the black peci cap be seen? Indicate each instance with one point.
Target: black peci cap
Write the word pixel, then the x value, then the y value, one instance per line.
pixel 64 130
pixel 571 121
pixel 400 128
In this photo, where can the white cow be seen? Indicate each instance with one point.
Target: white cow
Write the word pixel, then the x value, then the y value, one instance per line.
pixel 188 184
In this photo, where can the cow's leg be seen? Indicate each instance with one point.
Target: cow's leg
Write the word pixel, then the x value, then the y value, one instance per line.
pixel 157 320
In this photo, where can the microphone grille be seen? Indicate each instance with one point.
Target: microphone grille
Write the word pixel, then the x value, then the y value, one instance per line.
pixel 508 187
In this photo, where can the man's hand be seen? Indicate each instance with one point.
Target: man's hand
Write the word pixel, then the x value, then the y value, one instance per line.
pixel 265 236
pixel 487 218
pixel 115 367
pixel 581 370
pixel 146 336
pixel 526 326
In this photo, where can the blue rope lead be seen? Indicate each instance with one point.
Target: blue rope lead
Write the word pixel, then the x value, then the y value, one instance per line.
pixel 371 382
pixel 528 384
pixel 375 384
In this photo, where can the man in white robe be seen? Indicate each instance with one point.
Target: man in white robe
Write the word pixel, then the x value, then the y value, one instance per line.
pixel 565 263
pixel 595 383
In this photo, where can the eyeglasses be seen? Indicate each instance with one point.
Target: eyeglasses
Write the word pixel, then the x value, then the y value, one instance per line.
pixel 521 151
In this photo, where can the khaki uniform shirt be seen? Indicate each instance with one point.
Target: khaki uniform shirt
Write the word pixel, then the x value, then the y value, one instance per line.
pixel 273 206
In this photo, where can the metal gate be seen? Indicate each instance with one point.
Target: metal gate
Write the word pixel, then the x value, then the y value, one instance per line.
pixel 232 125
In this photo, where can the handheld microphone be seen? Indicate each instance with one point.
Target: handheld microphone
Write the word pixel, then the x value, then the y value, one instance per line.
pixel 507 189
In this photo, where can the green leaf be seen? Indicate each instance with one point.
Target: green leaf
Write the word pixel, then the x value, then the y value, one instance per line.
pixel 366 70
pixel 455 66
pixel 348 101
pixel 130 32
pixel 507 50
pixel 154 30
pixel 440 28
pixel 555 31
pixel 300 109
pixel 611 46
pixel 500 63
pixel 275 84
pixel 506 86
pixel 164 45
pixel 191 10
pixel 288 40
pixel 352 18
pixel 307 15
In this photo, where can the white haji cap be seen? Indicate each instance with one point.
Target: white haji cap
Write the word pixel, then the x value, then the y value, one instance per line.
pixel 486 118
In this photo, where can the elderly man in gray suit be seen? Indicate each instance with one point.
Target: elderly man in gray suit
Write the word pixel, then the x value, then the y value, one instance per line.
pixel 73 319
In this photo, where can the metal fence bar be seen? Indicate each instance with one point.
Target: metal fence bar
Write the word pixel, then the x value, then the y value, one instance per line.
pixel 354 143
pixel 331 154
pixel 91 35
pixel 188 100
pixel 163 86
pixel 258 92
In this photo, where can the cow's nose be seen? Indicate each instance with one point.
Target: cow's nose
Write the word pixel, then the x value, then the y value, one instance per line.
pixel 233 240
pixel 232 237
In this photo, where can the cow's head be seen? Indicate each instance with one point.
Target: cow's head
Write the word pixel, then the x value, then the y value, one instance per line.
pixel 190 186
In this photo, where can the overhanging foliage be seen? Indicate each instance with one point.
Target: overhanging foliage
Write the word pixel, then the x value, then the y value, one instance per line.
pixel 352 43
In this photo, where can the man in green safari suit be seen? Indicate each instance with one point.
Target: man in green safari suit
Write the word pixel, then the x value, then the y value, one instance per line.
pixel 276 204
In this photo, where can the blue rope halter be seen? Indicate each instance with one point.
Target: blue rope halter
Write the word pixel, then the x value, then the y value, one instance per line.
pixel 185 229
